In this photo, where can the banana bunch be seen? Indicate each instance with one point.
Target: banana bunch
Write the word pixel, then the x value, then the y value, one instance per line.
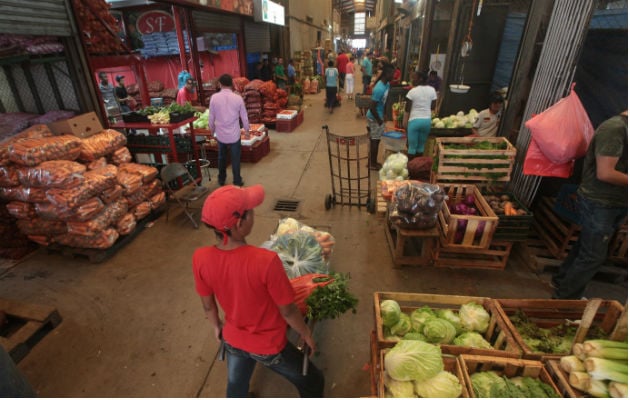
pixel 161 118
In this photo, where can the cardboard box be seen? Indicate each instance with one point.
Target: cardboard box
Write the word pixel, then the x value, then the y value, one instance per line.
pixel 83 126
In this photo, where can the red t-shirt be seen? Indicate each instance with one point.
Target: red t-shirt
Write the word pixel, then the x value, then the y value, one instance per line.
pixel 184 95
pixel 249 283
pixel 342 60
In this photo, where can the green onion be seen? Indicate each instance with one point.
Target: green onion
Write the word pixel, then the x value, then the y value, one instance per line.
pixel 600 368
pixel 571 363
pixel 617 389
pixel 598 388
pixel 579 380
pixel 578 351
pixel 608 349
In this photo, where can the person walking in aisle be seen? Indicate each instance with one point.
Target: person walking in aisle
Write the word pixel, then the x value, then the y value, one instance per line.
pixel 366 68
pixel 225 109
pixel 602 203
pixel 350 78
pixel 342 61
pixel 332 77
pixel 376 113
pixel 252 287
pixel 279 76
pixel 421 100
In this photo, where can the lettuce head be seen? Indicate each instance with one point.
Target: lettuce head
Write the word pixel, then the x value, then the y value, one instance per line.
pixel 411 360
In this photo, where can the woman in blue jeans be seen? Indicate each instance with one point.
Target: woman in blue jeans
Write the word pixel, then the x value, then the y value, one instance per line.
pixel 421 100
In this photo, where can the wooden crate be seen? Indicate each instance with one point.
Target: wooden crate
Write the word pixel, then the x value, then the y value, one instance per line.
pixel 508 367
pixel 27 325
pixel 498 334
pixel 548 313
pixel 618 249
pixel 381 202
pixel 561 380
pixel 495 257
pixel 448 222
pixel 513 228
pixel 458 165
pixel 451 364
pixel 557 234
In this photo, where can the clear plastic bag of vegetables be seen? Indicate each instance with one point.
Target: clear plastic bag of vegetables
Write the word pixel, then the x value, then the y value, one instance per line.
pixel 394 168
pixel 300 253
pixel 416 205
pixel 291 225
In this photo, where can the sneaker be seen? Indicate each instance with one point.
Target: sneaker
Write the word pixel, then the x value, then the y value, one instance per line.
pixel 240 184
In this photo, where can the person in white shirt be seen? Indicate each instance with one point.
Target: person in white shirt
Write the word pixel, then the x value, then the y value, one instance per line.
pixel 487 122
pixel 421 101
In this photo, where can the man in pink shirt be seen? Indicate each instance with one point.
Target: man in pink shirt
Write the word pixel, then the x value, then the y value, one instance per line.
pixel 225 109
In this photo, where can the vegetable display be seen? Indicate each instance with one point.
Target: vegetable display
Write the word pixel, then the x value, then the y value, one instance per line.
pixel 331 300
pixel 394 168
pixel 503 205
pixel 489 384
pixel 459 120
pixel 598 367
pixel 441 326
pixel 555 340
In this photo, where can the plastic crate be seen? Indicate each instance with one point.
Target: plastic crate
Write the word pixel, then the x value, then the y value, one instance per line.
pixel 254 153
pixel 448 222
pixel 179 117
pixel 512 228
pixel 133 116
pixel 498 334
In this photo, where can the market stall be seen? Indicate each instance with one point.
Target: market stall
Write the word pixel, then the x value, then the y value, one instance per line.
pixel 427 345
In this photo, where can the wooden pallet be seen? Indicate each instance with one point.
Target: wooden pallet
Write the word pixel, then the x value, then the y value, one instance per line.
pixel 508 367
pixel 495 257
pixel 381 202
pixel 557 234
pixel 408 246
pixel 96 256
pixel 26 325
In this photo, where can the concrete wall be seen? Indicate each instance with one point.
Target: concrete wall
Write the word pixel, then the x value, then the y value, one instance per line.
pixel 303 30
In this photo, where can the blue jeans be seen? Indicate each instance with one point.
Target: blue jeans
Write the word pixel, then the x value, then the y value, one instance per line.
pixel 366 83
pixel 591 250
pixel 417 134
pixel 287 363
pixel 235 153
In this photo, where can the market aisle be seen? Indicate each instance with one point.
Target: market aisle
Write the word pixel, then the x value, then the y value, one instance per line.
pixel 133 326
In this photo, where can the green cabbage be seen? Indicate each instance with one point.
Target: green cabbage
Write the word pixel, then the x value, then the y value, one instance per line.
pixel 442 385
pixel 474 317
pixel 419 316
pixel 451 317
pixel 390 312
pixel 411 360
pixel 398 388
pixel 488 384
pixel 300 253
pixel 438 330
pixel 472 339
pixel 402 326
pixel 415 336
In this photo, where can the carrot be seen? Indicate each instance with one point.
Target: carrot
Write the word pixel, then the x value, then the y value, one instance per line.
pixel 509 209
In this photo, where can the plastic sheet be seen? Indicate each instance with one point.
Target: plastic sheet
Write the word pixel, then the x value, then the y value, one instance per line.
pixel 57 173
pixel 21 193
pixel 101 144
pixel 30 152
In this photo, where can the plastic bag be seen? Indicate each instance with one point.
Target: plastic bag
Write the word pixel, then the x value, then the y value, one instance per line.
pixel 56 173
pixel 299 252
pixel 563 131
pixel 416 205
pixel 537 164
pixel 291 225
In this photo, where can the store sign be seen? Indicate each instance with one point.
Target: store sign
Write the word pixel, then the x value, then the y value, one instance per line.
pixel 268 11
pixel 371 23
pixel 245 7
pixel 155 21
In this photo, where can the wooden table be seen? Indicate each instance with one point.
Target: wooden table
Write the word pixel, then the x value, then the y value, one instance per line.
pixel 397 238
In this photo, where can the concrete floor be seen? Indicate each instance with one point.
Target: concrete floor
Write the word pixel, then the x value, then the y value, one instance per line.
pixel 133 326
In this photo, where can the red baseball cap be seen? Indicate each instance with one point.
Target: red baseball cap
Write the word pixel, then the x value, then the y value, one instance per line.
pixel 226 205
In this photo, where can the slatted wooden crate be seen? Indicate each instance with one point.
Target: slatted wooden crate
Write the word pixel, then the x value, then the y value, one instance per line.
pixel 495 257
pixel 549 313
pixel 448 222
pixel 473 164
pixel 561 380
pixel 497 334
pixel 618 249
pixel 451 365
pixel 513 228
pixel 508 367
pixel 557 234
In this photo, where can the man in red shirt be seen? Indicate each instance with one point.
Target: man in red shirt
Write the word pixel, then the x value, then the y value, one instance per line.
pixel 186 94
pixel 342 60
pixel 253 290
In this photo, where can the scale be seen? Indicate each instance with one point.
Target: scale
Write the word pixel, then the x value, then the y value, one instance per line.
pixel 465 51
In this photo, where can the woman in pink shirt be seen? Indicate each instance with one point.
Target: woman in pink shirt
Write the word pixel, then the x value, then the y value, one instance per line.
pixel 350 78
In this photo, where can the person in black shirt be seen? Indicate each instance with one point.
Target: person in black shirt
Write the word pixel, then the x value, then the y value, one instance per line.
pixel 121 94
pixel 265 71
